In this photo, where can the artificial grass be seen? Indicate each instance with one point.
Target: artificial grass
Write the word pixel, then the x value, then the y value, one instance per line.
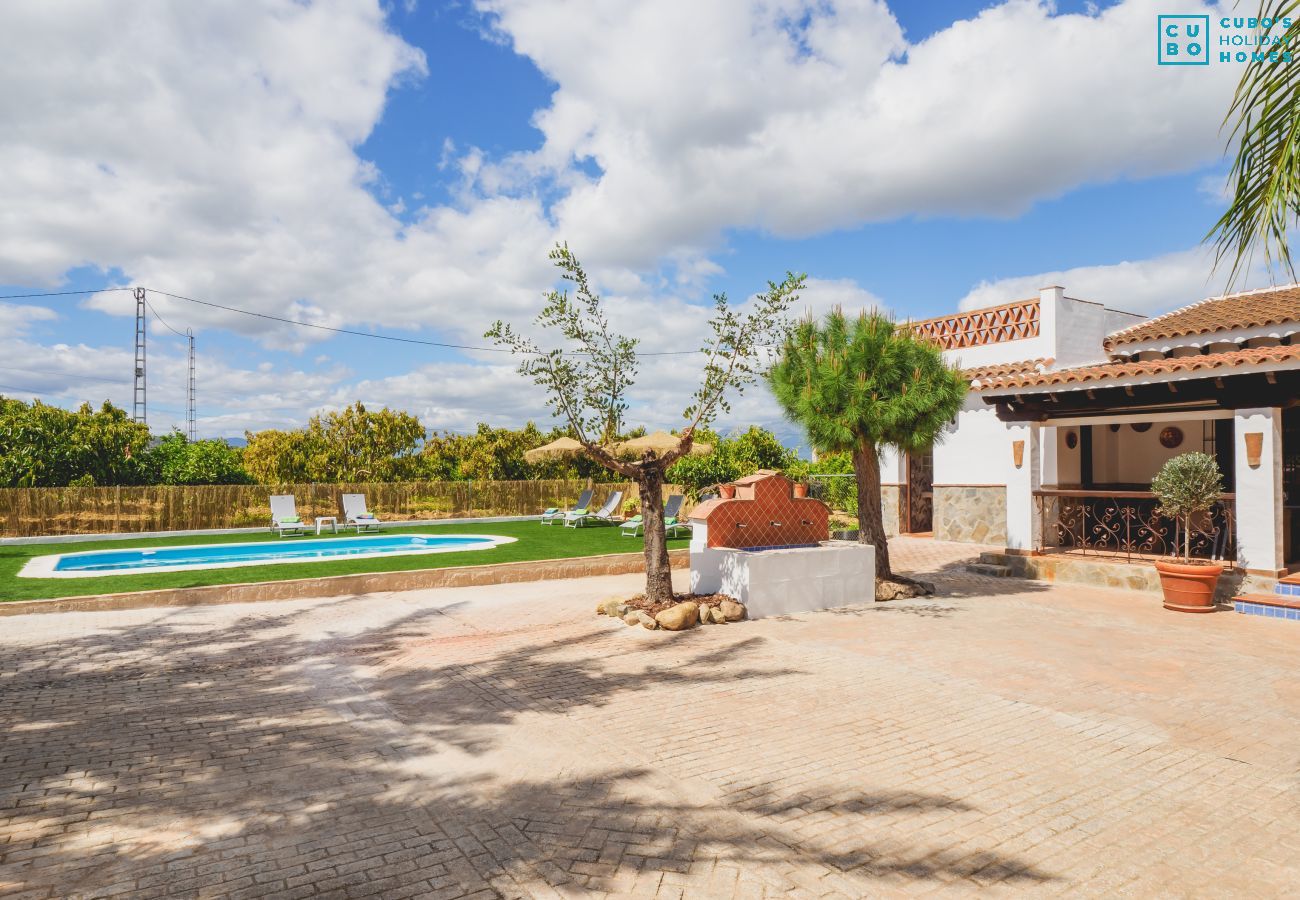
pixel 535 542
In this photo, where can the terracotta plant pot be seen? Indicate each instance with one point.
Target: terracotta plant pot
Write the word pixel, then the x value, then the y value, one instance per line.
pixel 1189 587
pixel 726 491
pixel 800 490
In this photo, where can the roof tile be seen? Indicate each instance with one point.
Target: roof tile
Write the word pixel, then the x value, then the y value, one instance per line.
pixel 1253 309
pixel 1106 371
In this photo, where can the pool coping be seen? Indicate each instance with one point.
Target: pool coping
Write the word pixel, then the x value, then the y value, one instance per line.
pixel 350 585
pixel 45 566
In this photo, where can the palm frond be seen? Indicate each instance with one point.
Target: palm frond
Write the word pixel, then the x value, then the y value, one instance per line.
pixel 1265 174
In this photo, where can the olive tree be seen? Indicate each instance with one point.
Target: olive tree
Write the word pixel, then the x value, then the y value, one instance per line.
pixel 587 382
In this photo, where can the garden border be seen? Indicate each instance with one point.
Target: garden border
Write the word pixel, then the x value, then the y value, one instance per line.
pixel 345 585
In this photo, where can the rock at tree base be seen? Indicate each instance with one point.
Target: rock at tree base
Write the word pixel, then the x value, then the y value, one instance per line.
pixel 632 618
pixel 731 610
pixel 902 590
pixel 647 621
pixel 680 617
pixel 614 606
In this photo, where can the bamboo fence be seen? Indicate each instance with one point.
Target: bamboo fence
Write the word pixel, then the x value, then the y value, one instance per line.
pixel 104 510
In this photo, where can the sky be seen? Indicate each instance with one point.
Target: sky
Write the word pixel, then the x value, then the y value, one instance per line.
pixel 404 167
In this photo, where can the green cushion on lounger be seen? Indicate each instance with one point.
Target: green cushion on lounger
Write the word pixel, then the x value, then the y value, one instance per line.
pixel 289 520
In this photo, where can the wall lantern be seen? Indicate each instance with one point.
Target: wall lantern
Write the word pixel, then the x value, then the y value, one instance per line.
pixel 1254 448
pixel 1018 453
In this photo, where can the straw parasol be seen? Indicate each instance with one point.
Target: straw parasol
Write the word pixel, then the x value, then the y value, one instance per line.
pixel 661 442
pixel 556 449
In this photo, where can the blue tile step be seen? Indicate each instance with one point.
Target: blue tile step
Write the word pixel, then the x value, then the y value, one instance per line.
pixel 1272 606
pixel 1288 587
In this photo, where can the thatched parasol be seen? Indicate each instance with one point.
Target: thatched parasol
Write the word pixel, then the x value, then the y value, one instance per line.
pixel 556 449
pixel 660 442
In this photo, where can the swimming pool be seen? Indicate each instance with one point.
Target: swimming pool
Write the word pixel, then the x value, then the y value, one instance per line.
pixel 223 556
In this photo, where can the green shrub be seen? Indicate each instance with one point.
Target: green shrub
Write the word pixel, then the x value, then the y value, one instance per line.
pixel 1187 486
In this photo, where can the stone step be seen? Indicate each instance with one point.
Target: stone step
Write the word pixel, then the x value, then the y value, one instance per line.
pixel 991 569
pixel 1274 606
pixel 992 558
pixel 1288 587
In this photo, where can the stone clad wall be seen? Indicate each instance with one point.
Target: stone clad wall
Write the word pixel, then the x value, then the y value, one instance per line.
pixel 890 498
pixel 975 514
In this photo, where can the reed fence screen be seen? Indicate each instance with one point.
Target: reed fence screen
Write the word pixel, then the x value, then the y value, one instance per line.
pixel 26 512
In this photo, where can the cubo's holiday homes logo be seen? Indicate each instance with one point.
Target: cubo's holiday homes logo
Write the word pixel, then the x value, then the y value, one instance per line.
pixel 1183 40
pixel 1186 40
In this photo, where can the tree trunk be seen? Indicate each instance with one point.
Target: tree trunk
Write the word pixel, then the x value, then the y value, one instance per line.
pixel 871 525
pixel 658 571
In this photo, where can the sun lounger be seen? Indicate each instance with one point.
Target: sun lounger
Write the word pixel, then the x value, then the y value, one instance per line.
pixel 284 515
pixel 603 515
pixel 356 514
pixel 554 514
pixel 635 526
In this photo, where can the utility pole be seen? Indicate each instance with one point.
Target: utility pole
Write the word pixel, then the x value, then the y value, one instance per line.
pixel 189 409
pixel 139 411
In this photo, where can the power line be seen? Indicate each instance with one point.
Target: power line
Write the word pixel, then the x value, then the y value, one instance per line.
pixel 162 320
pixel 62 293
pixel 346 331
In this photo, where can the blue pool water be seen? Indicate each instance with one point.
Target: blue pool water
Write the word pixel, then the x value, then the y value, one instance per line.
pixel 210 556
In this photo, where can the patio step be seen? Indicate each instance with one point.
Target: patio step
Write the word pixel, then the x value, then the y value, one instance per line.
pixel 1288 586
pixel 991 569
pixel 1274 606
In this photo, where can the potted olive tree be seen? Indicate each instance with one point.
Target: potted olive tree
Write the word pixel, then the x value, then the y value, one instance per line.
pixel 1188 486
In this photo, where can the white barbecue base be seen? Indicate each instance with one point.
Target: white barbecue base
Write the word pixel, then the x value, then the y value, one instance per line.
pixel 787 580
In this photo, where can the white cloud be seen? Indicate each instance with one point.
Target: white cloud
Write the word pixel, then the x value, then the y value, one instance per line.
pixel 795 116
pixel 223 163
pixel 1147 286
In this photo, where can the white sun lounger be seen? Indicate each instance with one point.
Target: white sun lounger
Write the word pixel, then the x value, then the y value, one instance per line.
pixel 553 514
pixel 284 515
pixel 356 514
pixel 605 514
pixel 635 526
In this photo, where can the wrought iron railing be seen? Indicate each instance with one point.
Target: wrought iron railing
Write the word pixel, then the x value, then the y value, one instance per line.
pixel 1127 524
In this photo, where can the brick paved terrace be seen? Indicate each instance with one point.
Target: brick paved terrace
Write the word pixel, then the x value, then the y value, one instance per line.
pixel 1004 736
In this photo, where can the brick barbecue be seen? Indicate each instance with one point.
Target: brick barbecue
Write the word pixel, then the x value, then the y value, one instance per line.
pixel 764 513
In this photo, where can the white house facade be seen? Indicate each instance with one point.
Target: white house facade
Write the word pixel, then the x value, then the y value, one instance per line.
pixel 1074 408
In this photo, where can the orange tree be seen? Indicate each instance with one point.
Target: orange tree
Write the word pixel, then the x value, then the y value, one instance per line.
pixel 587 383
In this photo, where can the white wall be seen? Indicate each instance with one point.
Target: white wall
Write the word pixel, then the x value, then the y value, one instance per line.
pixel 1259 492
pixel 1066 469
pixel 1080 328
pixel 892 466
pixel 1004 352
pixel 1130 457
pixel 978 451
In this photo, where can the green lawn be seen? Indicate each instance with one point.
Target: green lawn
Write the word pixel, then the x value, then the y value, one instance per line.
pixel 534 542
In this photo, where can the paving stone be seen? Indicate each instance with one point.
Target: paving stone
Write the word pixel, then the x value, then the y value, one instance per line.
pixel 1002 736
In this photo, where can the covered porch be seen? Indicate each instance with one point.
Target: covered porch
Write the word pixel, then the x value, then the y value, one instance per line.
pixel 1085 450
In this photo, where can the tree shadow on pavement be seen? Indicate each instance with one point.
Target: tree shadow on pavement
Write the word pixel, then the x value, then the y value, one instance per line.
pixel 177 757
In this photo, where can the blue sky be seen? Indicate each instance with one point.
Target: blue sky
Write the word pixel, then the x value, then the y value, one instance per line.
pixel 404 167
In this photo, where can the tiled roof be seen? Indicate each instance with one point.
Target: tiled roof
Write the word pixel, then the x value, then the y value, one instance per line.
pixel 1107 371
pixel 1254 309
pixel 1024 366
pixel 991 325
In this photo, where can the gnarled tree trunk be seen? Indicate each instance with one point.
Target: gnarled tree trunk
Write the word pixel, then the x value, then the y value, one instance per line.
pixel 658 571
pixel 871 525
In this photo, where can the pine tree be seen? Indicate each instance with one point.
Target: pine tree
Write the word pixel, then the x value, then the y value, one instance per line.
pixel 856 386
